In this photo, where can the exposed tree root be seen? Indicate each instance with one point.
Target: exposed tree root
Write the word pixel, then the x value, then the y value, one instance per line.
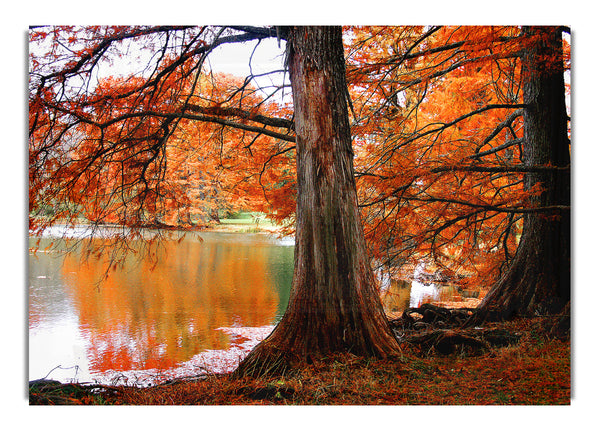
pixel 468 341
pixel 430 316
pixel 443 329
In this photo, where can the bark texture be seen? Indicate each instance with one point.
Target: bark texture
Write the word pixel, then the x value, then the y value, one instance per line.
pixel 334 304
pixel 538 280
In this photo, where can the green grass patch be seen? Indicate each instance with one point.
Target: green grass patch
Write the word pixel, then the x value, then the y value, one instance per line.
pixel 248 219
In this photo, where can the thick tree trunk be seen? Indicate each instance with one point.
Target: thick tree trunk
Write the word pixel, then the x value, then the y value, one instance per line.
pixel 334 303
pixel 538 280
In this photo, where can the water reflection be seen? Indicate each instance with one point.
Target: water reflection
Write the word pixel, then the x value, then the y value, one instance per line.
pixel 153 314
pixel 197 304
pixel 398 295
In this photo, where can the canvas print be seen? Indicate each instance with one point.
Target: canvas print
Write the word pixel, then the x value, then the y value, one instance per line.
pixel 299 215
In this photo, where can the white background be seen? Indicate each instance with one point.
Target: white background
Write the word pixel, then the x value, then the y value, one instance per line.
pixel 16 16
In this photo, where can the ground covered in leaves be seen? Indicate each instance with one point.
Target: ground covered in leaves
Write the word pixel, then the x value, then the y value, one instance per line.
pixel 534 370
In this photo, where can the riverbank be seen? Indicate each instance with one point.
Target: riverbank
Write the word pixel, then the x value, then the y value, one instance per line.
pixel 242 228
pixel 534 371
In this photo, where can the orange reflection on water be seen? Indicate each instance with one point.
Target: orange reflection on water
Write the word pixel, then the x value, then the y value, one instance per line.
pixel 155 315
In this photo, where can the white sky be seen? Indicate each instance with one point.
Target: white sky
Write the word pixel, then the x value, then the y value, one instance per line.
pixel 235 60
pixel 238 59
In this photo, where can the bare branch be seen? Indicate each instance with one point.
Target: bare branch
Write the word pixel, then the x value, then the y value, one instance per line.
pixel 240 113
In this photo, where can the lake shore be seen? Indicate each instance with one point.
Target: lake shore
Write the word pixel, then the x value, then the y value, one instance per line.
pixel 534 371
pixel 242 228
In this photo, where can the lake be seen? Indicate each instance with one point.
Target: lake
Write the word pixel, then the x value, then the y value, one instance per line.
pixel 199 306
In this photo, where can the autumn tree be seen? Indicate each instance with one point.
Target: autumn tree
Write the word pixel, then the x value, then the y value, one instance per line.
pixel 456 175
pixel 334 304
pixel 451 161
pixel 112 147
pixel 439 182
pixel 538 280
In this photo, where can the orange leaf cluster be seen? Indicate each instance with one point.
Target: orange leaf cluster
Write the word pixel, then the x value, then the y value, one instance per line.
pixel 436 118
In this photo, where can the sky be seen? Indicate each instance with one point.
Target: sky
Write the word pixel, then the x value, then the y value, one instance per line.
pixel 268 56
pixel 238 59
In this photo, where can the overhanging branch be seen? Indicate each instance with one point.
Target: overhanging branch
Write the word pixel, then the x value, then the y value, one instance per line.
pixel 240 113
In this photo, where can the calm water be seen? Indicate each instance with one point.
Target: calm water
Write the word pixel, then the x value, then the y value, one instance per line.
pixel 200 306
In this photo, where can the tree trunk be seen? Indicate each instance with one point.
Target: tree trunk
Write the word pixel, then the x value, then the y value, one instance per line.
pixel 334 304
pixel 538 280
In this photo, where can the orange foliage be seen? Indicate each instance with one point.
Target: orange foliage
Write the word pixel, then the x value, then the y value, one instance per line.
pixel 437 138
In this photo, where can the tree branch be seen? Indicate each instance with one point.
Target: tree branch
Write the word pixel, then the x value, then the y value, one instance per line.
pixel 498 148
pixel 500 169
pixel 489 207
pixel 506 123
pixel 240 113
pixel 258 31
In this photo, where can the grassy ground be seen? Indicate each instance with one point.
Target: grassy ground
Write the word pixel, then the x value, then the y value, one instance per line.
pixel 534 371
pixel 245 223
